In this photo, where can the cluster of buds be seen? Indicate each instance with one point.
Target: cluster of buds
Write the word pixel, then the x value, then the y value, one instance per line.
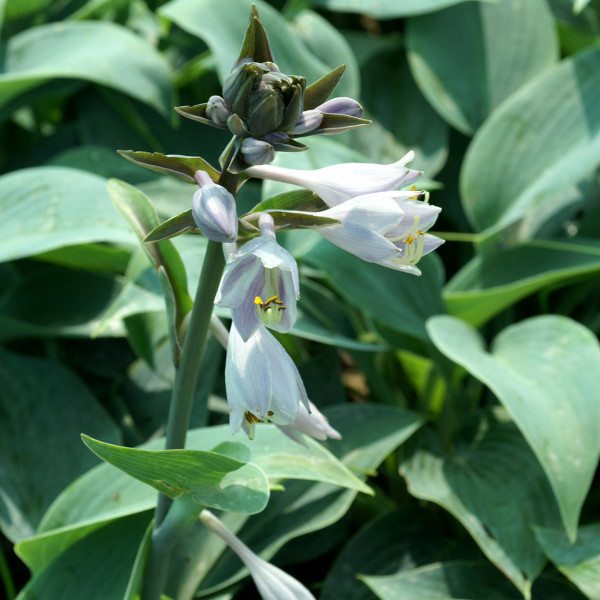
pixel 267 110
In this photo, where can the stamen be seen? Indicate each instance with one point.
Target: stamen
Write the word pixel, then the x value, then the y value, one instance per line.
pixel 266 310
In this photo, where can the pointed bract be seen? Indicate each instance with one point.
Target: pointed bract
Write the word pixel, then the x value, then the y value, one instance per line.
pixel 256 46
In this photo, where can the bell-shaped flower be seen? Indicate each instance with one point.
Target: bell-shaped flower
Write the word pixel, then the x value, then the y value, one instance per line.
pixel 260 284
pixel 213 209
pixel 339 183
pixel 272 582
pixel 262 381
pixel 387 228
pixel 312 422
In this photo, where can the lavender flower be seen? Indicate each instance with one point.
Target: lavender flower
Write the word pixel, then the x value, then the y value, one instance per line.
pixel 260 284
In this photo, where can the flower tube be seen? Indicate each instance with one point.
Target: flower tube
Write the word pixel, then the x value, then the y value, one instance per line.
pixel 339 183
pixel 272 582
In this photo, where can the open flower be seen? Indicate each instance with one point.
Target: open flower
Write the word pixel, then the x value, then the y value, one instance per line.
pixel 312 422
pixel 262 382
pixel 213 209
pixel 260 284
pixel 272 582
pixel 339 183
pixel 387 228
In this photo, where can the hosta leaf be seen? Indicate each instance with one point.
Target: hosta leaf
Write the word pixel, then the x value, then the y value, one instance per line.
pixel 467 58
pixel 488 284
pixel 51 207
pixel 385 9
pixel 543 139
pixel 546 373
pixel 580 562
pixel 495 487
pixel 38 399
pixel 107 54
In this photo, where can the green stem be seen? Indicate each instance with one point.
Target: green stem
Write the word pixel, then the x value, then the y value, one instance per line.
pixel 6 577
pixel 182 398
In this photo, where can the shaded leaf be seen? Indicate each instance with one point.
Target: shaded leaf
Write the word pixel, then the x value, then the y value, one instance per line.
pixel 107 54
pixel 543 139
pixel 546 373
pixel 491 283
pixel 38 399
pixel 579 561
pixel 51 207
pixel 467 59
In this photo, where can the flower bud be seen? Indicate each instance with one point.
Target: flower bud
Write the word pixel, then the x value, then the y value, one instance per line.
pixel 237 126
pixel 217 110
pixel 309 120
pixel 342 106
pixel 257 152
pixel 263 98
pixel 214 210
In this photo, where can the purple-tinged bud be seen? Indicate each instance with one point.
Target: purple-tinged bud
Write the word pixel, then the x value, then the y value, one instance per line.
pixel 309 120
pixel 342 106
pixel 217 111
pixel 214 211
pixel 237 126
pixel 257 152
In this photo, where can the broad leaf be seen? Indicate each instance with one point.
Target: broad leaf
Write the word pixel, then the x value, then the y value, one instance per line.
pixel 399 301
pixel 580 561
pixel 491 283
pixel 385 9
pixel 104 493
pixel 467 59
pixel 39 399
pixel 460 580
pixel 543 139
pixel 546 373
pixel 106 53
pixel 495 487
pixel 397 541
pixel 50 207
pixel 97 567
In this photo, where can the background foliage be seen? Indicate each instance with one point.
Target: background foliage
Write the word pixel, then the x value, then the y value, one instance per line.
pixel 473 390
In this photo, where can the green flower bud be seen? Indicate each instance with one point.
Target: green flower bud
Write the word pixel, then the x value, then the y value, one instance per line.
pixel 263 98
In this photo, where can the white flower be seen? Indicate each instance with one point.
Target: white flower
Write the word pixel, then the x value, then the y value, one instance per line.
pixel 261 380
pixel 339 183
pixel 312 422
pixel 260 284
pixel 213 209
pixel 387 228
pixel 272 582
